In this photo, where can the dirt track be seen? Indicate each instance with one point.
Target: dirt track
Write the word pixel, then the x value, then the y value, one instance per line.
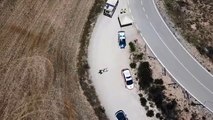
pixel 38 49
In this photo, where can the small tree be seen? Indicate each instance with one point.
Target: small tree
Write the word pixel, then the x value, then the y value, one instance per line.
pixel 150 113
pixel 145 75
pixel 139 56
pixel 132 65
pixel 132 46
pixel 143 101
pixel 158 115
pixel 158 81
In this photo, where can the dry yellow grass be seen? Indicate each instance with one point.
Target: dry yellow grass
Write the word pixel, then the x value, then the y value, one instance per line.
pixel 38 50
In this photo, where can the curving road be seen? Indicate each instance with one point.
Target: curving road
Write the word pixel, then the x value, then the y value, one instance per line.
pixel 171 54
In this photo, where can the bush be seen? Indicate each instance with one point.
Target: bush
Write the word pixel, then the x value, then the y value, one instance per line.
pixel 171 105
pixel 132 46
pixel 146 108
pixel 143 101
pixel 140 95
pixel 144 75
pixel 158 81
pixel 156 95
pixel 168 109
pixel 150 113
pixel 132 65
pixel 139 56
pixel 158 115
pixel 86 66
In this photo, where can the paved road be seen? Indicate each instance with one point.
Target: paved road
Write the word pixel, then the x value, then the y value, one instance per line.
pixel 178 62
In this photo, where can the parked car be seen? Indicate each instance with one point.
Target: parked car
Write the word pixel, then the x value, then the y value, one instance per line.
pixel 122 39
pixel 128 79
pixel 120 115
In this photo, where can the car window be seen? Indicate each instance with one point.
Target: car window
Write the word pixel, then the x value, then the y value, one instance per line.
pixel 128 77
pixel 129 82
pixel 120 116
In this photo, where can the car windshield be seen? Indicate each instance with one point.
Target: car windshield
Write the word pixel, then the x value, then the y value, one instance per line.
pixel 120 116
pixel 129 82
pixel 122 41
pixel 128 77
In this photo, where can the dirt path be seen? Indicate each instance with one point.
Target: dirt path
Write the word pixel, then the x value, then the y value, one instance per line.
pixel 38 47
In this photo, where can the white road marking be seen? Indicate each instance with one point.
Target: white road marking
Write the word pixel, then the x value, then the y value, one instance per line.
pixel 144 9
pixel 141 2
pixel 136 27
pixel 128 2
pixel 178 59
pixel 147 16
pixel 132 18
pixel 177 39
pixel 143 37
pixel 130 10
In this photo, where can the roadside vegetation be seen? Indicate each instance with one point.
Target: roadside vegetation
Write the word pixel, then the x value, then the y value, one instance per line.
pixel 153 89
pixel 194 18
pixel 83 66
pixel 161 97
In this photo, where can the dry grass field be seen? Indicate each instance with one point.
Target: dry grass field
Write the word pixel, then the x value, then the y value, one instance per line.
pixel 39 42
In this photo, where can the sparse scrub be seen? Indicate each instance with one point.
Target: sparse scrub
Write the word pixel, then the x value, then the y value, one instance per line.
pixel 158 81
pixel 144 75
pixel 140 56
pixel 132 47
pixel 155 91
pixel 184 16
pixel 157 115
pixel 156 94
pixel 150 113
pixel 83 68
pixel 132 65
pixel 143 101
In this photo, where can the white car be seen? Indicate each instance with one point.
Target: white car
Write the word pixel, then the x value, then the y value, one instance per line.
pixel 128 79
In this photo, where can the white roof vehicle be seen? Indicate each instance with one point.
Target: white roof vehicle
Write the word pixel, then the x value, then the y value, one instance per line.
pixel 110 7
pixel 128 79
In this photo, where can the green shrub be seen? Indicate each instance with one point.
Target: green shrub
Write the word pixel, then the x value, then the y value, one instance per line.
pixel 143 101
pixel 140 95
pixel 144 75
pixel 132 65
pixel 150 113
pixel 132 47
pixel 139 56
pixel 158 81
pixel 168 109
pixel 156 95
pixel 158 115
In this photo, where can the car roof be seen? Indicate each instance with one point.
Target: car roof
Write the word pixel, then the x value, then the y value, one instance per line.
pixel 126 72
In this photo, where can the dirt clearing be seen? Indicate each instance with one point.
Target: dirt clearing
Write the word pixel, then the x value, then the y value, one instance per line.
pixel 39 41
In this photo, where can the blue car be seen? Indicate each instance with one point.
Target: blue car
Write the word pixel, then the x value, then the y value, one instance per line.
pixel 122 39
pixel 120 115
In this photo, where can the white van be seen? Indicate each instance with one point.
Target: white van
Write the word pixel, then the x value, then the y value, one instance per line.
pixel 110 7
